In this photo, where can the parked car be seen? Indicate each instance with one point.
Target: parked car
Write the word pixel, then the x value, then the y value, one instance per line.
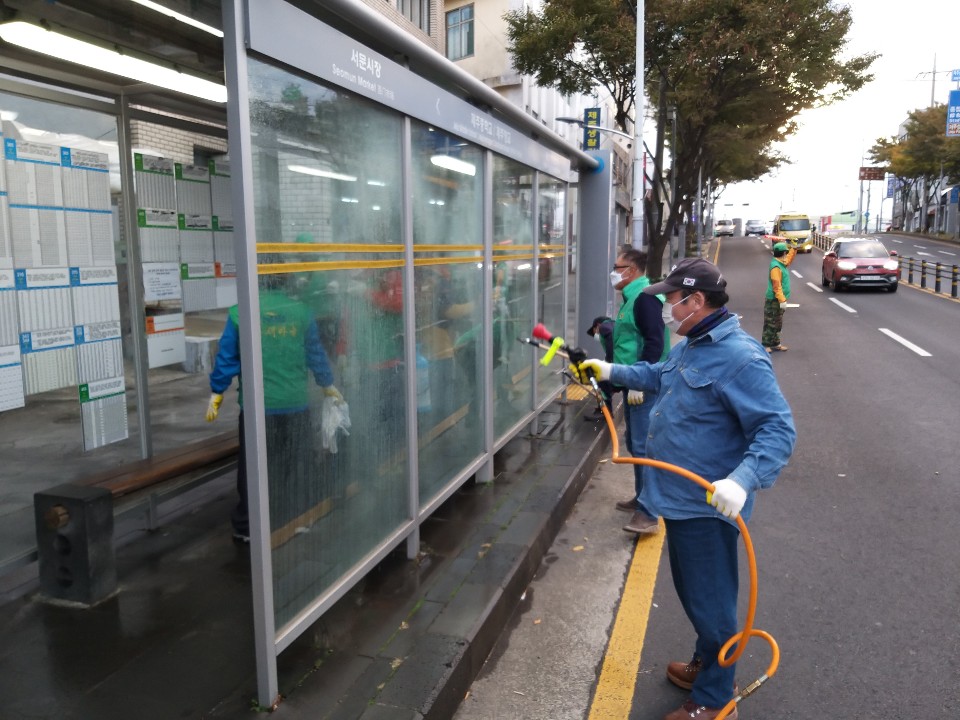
pixel 723 227
pixel 755 227
pixel 860 262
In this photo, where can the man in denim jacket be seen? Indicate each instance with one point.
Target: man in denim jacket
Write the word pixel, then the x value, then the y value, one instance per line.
pixel 719 413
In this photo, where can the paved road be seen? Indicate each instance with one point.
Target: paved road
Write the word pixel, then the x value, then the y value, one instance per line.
pixel 858 578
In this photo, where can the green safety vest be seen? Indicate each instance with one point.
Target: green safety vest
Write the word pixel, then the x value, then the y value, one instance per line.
pixel 627 340
pixel 784 279
pixel 284 323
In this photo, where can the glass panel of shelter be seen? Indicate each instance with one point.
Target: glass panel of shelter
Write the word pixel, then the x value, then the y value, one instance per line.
pixel 333 206
pixel 551 274
pixel 447 204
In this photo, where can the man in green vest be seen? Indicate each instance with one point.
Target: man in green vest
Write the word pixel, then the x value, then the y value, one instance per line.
pixel 778 290
pixel 291 352
pixel 639 335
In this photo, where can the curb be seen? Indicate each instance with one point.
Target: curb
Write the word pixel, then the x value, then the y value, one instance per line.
pixel 503 555
pixel 497 613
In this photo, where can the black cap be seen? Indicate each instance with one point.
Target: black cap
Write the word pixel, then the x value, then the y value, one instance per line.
pixel 597 321
pixel 690 274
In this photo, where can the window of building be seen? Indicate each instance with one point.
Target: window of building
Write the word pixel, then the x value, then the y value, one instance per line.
pixel 417 12
pixel 460 33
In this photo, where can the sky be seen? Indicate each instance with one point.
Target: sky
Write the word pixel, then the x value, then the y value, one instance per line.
pixel 831 143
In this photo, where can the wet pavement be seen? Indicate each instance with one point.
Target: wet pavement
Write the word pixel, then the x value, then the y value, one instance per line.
pixel 176 641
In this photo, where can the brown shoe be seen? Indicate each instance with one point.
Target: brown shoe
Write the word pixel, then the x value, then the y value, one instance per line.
pixel 683 674
pixel 698 712
pixel 627 505
pixel 642 524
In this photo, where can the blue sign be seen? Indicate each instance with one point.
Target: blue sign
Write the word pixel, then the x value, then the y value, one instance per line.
pixel 591 138
pixel 953 114
pixel 955 76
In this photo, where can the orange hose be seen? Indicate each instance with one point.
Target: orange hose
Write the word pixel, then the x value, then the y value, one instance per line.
pixel 748 630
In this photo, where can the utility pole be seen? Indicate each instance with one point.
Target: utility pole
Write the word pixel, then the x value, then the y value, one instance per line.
pixel 639 181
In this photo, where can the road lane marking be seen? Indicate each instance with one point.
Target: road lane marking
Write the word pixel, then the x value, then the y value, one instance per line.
pixel 797 274
pixel 927 254
pixel 840 304
pixel 621 662
pixel 944 252
pixel 906 343
pixel 815 287
pixel 897 241
pixel 920 247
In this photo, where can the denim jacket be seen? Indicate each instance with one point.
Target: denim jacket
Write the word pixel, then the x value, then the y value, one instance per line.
pixel 719 413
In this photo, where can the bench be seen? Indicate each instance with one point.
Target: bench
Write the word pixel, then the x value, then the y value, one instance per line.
pixel 75 521
pixel 151 481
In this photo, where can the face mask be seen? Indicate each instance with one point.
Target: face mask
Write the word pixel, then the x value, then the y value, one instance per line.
pixel 597 337
pixel 667 314
pixel 615 278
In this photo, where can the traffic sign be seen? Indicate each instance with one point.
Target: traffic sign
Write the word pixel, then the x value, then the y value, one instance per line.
pixel 955 76
pixel 872 173
pixel 953 114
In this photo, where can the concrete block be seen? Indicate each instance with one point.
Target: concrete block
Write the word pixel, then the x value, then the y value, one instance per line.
pixel 75 550
pixel 200 354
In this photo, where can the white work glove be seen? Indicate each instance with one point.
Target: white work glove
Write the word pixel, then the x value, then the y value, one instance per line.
pixel 213 407
pixel 592 368
pixel 727 497
pixel 783 306
pixel 331 391
pixel 635 397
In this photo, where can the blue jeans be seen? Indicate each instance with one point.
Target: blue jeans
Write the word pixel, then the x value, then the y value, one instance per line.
pixel 638 426
pixel 703 562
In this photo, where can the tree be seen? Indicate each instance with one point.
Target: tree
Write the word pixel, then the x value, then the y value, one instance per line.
pixel 918 158
pixel 737 77
pixel 577 45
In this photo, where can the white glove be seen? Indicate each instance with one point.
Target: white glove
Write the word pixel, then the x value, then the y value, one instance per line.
pixel 783 306
pixel 596 368
pixel 635 397
pixel 727 497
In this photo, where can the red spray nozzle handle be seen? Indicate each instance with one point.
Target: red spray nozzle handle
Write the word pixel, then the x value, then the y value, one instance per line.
pixel 541 333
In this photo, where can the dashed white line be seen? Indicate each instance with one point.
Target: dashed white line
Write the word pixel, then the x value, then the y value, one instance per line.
pixel 797 274
pixel 906 343
pixel 920 247
pixel 899 242
pixel 944 252
pixel 840 304
pixel 815 287
pixel 927 254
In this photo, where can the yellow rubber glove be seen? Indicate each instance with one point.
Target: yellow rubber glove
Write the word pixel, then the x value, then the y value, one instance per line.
pixel 331 391
pixel 635 397
pixel 213 407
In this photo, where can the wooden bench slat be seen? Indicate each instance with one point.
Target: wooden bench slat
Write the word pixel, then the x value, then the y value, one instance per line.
pixel 140 474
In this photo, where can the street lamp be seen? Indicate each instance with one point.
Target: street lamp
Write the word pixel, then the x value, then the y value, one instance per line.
pixel 636 208
pixel 581 123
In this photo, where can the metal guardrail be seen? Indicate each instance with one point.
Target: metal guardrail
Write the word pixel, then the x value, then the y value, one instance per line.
pixel 938 271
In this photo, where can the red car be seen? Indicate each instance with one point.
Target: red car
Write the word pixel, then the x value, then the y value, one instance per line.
pixel 860 262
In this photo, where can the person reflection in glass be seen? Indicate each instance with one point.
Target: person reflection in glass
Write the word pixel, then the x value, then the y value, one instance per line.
pixel 291 351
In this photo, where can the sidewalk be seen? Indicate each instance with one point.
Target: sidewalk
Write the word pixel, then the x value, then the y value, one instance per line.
pixel 176 642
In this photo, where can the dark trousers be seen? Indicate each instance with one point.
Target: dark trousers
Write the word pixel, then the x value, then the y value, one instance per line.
pixel 703 561
pixel 637 422
pixel 289 463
